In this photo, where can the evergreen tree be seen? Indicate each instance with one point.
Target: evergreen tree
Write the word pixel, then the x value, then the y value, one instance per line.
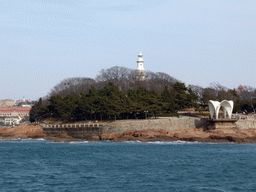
pixel 132 104
pixel 181 95
pixel 168 101
pixel 56 106
pixel 154 103
pixel 38 111
pixel 69 105
pixel 192 98
pixel 93 101
pixel 113 100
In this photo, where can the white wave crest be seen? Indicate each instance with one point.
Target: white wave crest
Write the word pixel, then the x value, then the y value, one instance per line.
pixel 173 142
pixel 78 142
pixel 40 139
pixel 134 142
pixel 28 139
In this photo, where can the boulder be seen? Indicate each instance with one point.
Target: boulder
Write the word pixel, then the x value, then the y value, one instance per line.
pixel 229 134
pixel 192 136
pixel 250 133
pixel 163 131
pixel 109 136
pixel 94 138
pixel 145 133
pixel 129 133
pixel 228 137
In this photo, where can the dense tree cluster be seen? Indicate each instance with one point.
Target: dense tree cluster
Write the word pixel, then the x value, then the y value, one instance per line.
pixel 115 93
pixel 107 103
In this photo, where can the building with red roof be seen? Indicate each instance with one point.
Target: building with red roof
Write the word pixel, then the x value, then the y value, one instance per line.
pixel 240 89
pixel 22 112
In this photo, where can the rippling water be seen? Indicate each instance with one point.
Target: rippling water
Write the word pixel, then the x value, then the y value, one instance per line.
pixel 39 165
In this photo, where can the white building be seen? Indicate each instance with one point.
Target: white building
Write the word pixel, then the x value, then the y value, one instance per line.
pixel 140 72
pixel 10 120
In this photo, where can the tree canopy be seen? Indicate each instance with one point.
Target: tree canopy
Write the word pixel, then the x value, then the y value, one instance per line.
pixel 115 93
pixel 107 103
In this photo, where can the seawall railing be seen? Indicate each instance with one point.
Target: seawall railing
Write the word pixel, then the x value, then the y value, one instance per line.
pixel 74 130
pixel 71 125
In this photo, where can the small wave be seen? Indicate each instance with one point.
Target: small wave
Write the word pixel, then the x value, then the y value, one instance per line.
pixel 23 139
pixel 173 142
pixel 40 139
pixel 163 142
pixel 78 142
pixel 135 142
pixel 28 139
pixel 212 188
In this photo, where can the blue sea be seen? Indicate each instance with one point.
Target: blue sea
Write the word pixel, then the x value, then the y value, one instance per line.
pixel 40 165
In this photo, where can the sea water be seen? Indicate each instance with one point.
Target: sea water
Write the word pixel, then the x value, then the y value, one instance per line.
pixel 39 165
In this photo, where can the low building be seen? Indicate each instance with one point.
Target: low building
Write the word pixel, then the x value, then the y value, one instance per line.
pixel 21 112
pixel 10 120
pixel 24 102
pixel 240 89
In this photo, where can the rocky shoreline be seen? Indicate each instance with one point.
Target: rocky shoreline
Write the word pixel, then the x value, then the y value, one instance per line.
pixel 200 135
pixel 32 132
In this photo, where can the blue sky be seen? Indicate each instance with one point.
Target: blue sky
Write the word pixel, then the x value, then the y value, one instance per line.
pixel 196 41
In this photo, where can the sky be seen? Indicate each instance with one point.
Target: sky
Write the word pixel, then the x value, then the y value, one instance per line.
pixel 198 42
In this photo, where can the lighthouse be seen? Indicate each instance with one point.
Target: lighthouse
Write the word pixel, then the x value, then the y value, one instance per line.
pixel 140 72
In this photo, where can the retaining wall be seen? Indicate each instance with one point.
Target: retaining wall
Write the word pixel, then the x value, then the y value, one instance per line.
pixel 170 123
pixel 246 123
pixel 87 130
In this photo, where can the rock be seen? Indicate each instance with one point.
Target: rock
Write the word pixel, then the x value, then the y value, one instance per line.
pixel 192 136
pixel 216 135
pixel 163 131
pixel 250 133
pixel 109 136
pixel 94 138
pixel 29 131
pixel 145 133
pixel 229 134
pixel 130 133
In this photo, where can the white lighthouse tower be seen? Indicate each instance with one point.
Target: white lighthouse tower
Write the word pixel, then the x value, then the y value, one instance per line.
pixel 140 72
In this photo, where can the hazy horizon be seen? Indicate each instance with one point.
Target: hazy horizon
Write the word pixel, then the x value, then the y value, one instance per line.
pixel 197 42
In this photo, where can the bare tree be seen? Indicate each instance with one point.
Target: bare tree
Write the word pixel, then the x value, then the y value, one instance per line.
pixel 121 76
pixel 114 73
pixel 72 86
pixel 218 87
pixel 197 89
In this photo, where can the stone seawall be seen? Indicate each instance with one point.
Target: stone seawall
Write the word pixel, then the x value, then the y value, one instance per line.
pixel 170 124
pixel 246 123
pixel 87 130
